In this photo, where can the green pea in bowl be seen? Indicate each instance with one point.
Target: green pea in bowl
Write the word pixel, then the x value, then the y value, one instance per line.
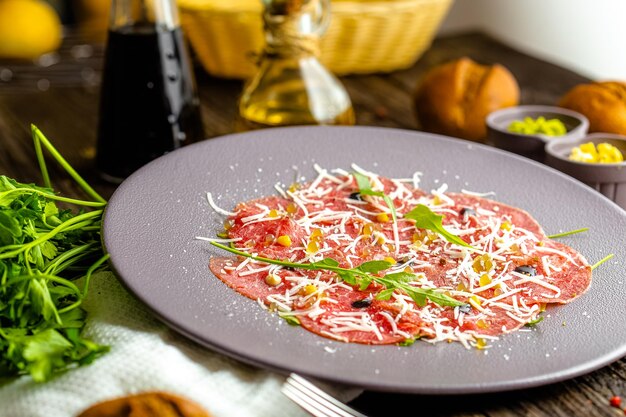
pixel 525 130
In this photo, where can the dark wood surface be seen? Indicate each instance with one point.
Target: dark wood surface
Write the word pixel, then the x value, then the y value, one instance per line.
pixel 60 95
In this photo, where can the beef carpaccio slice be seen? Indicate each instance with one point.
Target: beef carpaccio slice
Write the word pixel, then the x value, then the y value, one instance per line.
pixel 503 280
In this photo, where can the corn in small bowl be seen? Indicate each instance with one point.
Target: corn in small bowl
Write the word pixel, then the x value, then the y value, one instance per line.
pixel 596 159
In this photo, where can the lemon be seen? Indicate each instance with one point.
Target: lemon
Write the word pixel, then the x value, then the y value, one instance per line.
pixel 28 29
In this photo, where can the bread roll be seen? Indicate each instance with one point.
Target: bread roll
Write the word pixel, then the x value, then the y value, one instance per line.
pixel 149 404
pixel 455 98
pixel 603 103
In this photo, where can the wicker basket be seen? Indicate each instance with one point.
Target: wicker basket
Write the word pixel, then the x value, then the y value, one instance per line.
pixel 364 36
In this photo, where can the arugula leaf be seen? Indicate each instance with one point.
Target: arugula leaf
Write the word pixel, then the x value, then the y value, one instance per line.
pixel 409 342
pixel 290 319
pixel 373 267
pixel 533 323
pixel 395 281
pixel 385 294
pixel 365 188
pixel 426 219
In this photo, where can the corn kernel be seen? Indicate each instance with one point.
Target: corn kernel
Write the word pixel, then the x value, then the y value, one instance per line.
pixel 485 279
pixel 312 247
pixel 482 263
pixel 317 234
pixel 542 307
pixel 294 187
pixel 423 236
pixel 272 214
pixel 272 280
pixel 284 240
pixel 603 154
pixel 498 291
pixel 228 224
pixel 408 270
pixel 482 324
pixel 437 200
pixel 382 218
pixel 269 239
pixel 390 260
pixel 506 226
pixel 480 343
pixel 368 229
pixel 461 287
pixel 474 301
pixel 308 289
pixel 292 208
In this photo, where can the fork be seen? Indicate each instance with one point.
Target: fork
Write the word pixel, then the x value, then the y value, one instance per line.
pixel 315 401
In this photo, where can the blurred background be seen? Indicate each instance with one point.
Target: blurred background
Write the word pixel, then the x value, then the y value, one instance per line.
pixel 585 36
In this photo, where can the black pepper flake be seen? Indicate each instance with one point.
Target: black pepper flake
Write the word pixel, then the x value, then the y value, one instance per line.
pixel 526 270
pixel 366 302
pixel 466 212
pixel 442 261
pixel 356 196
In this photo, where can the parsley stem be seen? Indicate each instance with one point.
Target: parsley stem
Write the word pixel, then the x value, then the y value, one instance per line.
pixel 601 261
pixel 70 257
pixel 73 223
pixel 91 270
pixel 52 196
pixel 571 232
pixel 39 137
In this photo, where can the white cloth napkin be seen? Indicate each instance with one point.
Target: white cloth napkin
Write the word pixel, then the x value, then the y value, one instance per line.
pixel 145 355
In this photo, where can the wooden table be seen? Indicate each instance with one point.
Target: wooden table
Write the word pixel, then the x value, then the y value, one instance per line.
pixel 62 99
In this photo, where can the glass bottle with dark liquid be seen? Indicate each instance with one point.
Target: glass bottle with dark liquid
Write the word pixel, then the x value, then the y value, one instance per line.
pixel 291 86
pixel 149 104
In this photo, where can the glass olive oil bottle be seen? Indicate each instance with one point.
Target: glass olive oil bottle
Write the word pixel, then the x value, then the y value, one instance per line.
pixel 291 86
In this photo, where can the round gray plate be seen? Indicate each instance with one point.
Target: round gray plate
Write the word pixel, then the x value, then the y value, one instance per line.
pixel 152 219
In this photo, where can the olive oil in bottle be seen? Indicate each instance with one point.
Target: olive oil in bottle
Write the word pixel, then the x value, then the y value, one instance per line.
pixel 291 86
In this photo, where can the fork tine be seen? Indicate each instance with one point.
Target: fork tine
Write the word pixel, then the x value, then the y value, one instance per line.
pixel 306 403
pixel 320 396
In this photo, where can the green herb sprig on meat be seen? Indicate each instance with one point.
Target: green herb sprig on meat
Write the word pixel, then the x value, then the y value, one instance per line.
pixel 363 275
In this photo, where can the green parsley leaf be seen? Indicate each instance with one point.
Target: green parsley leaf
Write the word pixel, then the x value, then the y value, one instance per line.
pixel 42 252
pixel 43 352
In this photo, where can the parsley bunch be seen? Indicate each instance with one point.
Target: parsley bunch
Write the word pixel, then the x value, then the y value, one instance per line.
pixel 44 250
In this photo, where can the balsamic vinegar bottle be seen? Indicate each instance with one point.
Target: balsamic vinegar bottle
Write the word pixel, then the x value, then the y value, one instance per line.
pixel 148 103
